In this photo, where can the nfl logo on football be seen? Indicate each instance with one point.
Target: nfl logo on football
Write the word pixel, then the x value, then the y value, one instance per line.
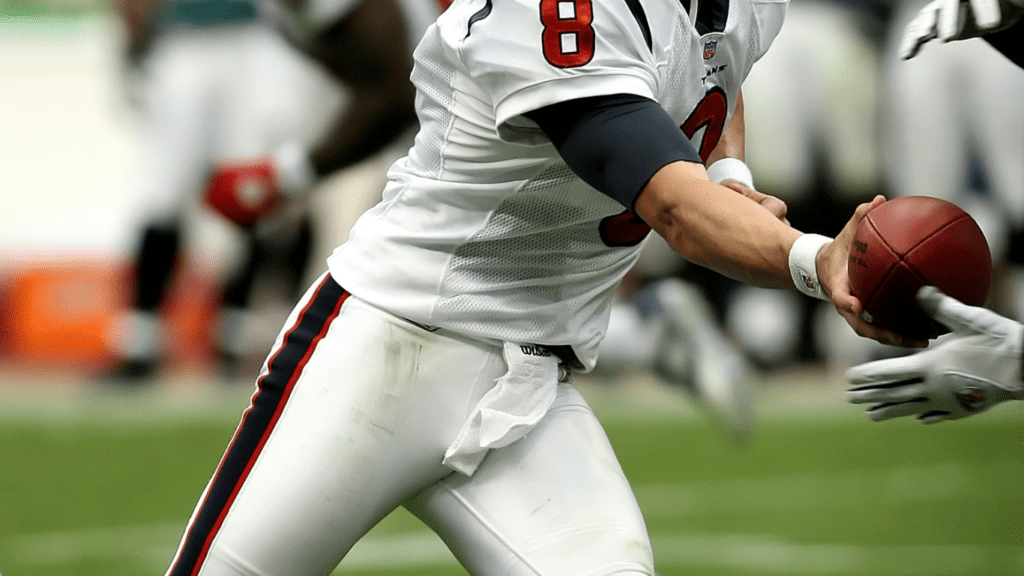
pixel 709 49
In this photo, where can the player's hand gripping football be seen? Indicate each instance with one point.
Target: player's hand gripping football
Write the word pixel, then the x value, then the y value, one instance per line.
pixel 956 20
pixel 834 275
pixel 248 191
pixel 972 369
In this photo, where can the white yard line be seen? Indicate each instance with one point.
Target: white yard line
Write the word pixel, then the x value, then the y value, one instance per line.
pixel 153 545
pixel 796 492
pixel 133 543
pixel 147 545
pixel 769 555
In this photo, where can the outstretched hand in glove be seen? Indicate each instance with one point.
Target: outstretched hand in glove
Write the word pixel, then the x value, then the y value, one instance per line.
pixel 963 374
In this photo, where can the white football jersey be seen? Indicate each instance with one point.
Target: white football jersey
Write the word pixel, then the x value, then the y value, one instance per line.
pixel 483 229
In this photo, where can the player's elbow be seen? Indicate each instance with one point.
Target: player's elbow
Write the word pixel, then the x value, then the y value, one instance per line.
pixel 662 204
pixel 668 220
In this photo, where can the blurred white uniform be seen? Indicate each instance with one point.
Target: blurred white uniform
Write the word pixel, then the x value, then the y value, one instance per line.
pixel 950 102
pixel 217 83
pixel 812 101
pixel 957 107
pixel 212 81
pixel 433 343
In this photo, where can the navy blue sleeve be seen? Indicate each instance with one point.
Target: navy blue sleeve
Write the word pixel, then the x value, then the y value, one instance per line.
pixel 614 143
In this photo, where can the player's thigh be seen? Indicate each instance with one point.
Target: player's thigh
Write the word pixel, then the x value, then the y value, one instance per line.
pixel 339 432
pixel 926 126
pixel 999 128
pixel 555 502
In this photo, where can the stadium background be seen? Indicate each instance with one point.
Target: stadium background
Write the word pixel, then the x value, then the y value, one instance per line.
pixel 97 482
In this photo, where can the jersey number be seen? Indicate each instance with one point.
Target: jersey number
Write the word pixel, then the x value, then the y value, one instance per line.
pixel 709 114
pixel 568 37
pixel 626 228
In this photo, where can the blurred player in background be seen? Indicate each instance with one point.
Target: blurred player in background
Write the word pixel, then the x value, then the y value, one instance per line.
pixel 661 323
pixel 211 80
pixel 213 91
pixel 431 367
pixel 980 363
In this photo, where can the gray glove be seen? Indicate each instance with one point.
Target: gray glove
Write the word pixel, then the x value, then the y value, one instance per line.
pixel 967 372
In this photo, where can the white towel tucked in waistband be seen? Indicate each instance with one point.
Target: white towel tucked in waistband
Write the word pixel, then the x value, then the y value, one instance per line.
pixel 509 410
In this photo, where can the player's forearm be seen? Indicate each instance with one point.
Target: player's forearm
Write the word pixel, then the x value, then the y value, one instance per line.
pixel 714 227
pixel 138 16
pixel 1010 42
pixel 732 144
pixel 375 68
pixel 370 123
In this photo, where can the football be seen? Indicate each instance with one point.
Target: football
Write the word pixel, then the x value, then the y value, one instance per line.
pixel 910 242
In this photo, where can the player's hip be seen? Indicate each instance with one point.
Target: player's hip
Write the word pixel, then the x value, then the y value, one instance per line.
pixel 400 377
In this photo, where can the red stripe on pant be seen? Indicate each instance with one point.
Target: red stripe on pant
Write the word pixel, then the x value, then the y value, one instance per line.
pixel 258 421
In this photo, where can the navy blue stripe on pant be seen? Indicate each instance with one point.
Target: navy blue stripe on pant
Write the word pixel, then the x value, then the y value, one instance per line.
pixel 258 421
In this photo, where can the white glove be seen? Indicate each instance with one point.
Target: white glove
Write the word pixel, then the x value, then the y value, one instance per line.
pixel 956 20
pixel 967 372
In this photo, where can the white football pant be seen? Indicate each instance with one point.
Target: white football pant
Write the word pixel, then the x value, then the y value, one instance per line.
pixel 351 418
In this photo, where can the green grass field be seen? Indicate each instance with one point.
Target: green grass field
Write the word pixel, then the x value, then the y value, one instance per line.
pixel 95 484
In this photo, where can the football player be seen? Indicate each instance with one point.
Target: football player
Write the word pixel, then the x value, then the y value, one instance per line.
pixel 431 366
pixel 713 371
pixel 209 79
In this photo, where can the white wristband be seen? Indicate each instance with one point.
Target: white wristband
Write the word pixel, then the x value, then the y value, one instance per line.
pixel 803 266
pixel 731 169
pixel 295 173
